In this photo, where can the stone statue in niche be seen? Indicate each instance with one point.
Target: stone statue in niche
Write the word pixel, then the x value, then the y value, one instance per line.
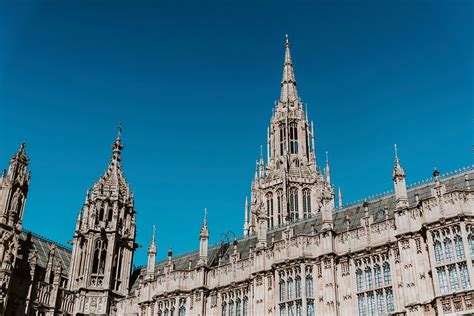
pixel 16 201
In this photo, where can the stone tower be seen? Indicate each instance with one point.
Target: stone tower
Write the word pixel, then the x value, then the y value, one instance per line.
pixel 13 191
pixel 289 186
pixel 104 241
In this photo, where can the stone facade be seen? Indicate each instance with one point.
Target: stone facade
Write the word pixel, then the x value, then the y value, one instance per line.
pixel 409 252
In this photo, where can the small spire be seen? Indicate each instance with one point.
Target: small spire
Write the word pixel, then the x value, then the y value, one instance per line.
pixel 204 231
pixel 246 217
pixel 327 169
pixel 339 195
pixel 117 146
pixel 153 234
pixel 152 247
pixel 397 169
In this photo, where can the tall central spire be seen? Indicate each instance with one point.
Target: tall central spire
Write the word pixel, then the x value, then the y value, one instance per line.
pixel 288 82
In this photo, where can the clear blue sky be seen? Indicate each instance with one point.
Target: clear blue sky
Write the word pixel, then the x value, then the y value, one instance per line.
pixel 194 84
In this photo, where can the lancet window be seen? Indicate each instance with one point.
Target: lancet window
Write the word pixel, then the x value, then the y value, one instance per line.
pixel 306 203
pixel 279 207
pixel 269 198
pixel 293 138
pixel 293 204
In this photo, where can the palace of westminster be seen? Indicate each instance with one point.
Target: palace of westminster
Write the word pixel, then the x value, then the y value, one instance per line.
pixel 410 252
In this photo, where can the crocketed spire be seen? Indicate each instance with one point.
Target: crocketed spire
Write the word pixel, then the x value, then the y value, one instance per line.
pixel 288 82
pixel 397 169
pixel 113 181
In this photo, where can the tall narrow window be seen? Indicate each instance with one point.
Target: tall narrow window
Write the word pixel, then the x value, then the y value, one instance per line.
pixel 465 282
pixel 470 239
pixel 299 308
pixel 282 139
pixel 380 302
pixel 306 203
pixel 293 138
pixel 309 286
pixel 293 204
pixel 448 248
pixel 298 286
pixel 359 279
pixel 371 303
pixel 290 288
pixel 291 309
pixel 378 276
pixel 245 309
pixel 224 309
pixel 310 308
pixel 438 252
pixel 282 290
pixel 269 197
pixel 390 302
pixel 459 247
pixel 443 282
pixel 100 254
pixel 238 308
pixel 282 310
pixel 361 304
pixel 453 277
pixel 280 207
pixel 231 308
pixel 368 278
pixel 387 276
pixel 101 214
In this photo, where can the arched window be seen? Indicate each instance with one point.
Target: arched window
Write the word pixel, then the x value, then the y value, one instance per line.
pixel 110 214
pixel 378 276
pixel 390 302
pixel 100 254
pixel 293 138
pixel 280 207
pixel 293 204
pixel 438 252
pixel 269 197
pixel 101 214
pixel 282 290
pixel 361 304
pixel 368 278
pixel 231 308
pixel 182 307
pixel 238 307
pixel 245 310
pixel 448 248
pixel 306 203
pixel 470 239
pixel 459 247
pixel 387 276
pixel 309 286
pixel 282 139
pixel 298 286
pixel 380 302
pixel 359 279
pixel 224 309
pixel 289 284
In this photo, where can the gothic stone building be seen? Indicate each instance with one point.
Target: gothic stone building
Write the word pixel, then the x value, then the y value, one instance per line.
pixel 410 252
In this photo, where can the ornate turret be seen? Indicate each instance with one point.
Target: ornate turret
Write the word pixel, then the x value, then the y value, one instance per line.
pixel 150 267
pixel 398 176
pixel 104 240
pixel 203 241
pixel 14 186
pixel 288 186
